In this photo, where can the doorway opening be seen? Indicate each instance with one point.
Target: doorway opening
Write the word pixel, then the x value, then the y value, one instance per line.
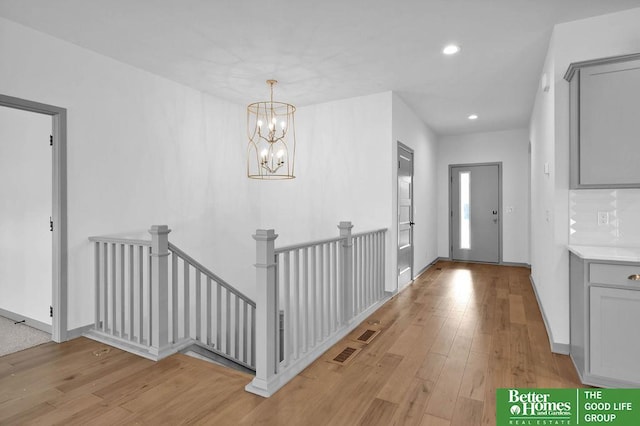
pixel 475 219
pixel 58 216
pixel 405 215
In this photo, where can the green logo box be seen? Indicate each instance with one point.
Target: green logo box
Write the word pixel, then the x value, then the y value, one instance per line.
pixel 524 407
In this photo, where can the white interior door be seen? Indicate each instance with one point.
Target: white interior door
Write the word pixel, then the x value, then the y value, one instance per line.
pixel 405 215
pixel 475 212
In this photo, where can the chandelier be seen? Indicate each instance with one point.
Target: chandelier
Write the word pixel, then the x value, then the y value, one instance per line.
pixel 272 139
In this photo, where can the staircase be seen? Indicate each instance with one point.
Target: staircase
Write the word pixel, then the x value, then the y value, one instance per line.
pixel 154 300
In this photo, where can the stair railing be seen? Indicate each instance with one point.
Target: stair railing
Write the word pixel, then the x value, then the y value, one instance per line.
pixel 153 299
pixel 309 296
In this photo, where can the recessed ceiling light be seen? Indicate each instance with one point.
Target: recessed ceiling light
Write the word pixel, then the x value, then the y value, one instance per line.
pixel 451 49
pixel 473 117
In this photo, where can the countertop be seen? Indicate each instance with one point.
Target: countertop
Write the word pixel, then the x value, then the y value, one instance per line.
pixel 615 254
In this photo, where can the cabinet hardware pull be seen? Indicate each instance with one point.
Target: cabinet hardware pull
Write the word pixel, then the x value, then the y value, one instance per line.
pixel 634 277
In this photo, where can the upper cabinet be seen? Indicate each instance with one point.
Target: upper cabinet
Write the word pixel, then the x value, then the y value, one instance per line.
pixel 605 122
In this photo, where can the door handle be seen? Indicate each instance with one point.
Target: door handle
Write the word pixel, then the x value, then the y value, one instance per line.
pixel 411 223
pixel 495 212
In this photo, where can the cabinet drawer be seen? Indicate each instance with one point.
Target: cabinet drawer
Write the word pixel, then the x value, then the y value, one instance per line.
pixel 600 273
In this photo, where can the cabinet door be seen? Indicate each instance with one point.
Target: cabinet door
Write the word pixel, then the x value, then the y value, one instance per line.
pixel 609 152
pixel 615 334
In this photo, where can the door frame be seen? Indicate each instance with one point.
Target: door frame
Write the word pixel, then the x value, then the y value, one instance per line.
pixel 404 147
pixel 59 300
pixel 500 212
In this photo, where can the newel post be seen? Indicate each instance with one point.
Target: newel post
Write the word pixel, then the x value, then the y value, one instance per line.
pixel 266 317
pixel 347 271
pixel 159 315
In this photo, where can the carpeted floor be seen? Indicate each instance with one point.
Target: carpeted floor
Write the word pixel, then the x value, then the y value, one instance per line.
pixel 16 337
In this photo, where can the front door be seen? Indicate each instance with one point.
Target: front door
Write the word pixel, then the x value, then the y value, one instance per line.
pixel 405 215
pixel 475 227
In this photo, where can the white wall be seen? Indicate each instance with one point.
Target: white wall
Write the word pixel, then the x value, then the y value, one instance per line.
pixel 343 173
pixel 598 37
pixel 25 207
pixel 412 132
pixel 509 147
pixel 143 150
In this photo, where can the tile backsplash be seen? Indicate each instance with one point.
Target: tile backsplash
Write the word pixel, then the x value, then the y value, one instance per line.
pixel 620 206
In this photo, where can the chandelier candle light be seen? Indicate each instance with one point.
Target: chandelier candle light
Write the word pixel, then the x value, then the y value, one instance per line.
pixel 272 139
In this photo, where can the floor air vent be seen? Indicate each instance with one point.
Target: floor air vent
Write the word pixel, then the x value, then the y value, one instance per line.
pixel 368 336
pixel 345 356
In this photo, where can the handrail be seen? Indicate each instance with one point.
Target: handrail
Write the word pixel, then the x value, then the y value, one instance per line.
pixel 118 240
pixel 359 234
pixel 310 244
pixel 326 241
pixel 209 274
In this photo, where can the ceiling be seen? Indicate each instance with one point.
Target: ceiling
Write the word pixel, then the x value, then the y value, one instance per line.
pixel 332 49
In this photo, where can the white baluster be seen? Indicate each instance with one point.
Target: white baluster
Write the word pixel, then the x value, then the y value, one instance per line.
pixel 245 330
pixel 236 327
pixel 304 311
pixel 228 324
pixel 140 294
pixel 174 298
pixel 286 284
pixel 131 303
pixel 218 317
pixel 97 284
pixel 208 312
pixel 122 292
pixel 313 290
pixel 187 301
pixel 334 284
pixel 198 302
pixel 296 305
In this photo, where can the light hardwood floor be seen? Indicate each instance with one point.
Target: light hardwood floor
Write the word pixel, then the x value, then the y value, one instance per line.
pixel 445 344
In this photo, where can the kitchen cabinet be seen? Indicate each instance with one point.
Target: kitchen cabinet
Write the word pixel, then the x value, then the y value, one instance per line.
pixel 604 124
pixel 605 313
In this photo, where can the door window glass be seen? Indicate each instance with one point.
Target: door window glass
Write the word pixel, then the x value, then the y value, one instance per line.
pixel 465 224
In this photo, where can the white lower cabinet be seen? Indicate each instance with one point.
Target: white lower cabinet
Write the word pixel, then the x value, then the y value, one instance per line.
pixel 615 333
pixel 605 322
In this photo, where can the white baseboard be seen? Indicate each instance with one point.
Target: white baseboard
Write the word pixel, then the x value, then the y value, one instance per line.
pixel 401 289
pixel 38 325
pixel 448 259
pixel 78 332
pixel 522 265
pixel 556 347
pixel 423 270
pixel 137 348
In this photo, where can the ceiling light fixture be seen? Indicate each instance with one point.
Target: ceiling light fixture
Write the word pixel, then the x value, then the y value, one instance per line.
pixel 272 139
pixel 473 117
pixel 451 49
